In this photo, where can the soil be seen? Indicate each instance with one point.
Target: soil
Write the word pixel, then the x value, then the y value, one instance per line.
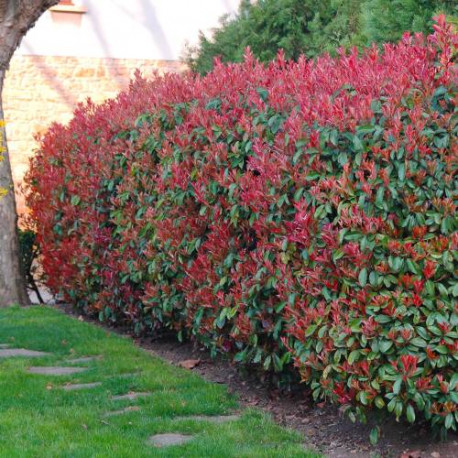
pixel 324 427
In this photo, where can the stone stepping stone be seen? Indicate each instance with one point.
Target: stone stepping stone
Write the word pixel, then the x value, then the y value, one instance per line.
pixel 218 419
pixel 127 374
pixel 130 396
pixel 4 346
pixel 12 352
pixel 166 440
pixel 81 386
pixel 82 360
pixel 43 370
pixel 120 412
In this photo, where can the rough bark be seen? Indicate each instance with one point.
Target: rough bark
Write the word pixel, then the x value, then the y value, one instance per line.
pixel 16 18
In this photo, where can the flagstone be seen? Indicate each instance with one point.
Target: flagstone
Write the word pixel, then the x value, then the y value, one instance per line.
pixel 128 374
pixel 210 418
pixel 166 440
pixel 121 411
pixel 130 396
pixel 81 386
pixel 82 360
pixel 12 352
pixel 56 370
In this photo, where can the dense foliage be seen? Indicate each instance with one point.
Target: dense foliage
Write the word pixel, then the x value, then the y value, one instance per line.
pixel 309 27
pixel 296 215
pixel 386 20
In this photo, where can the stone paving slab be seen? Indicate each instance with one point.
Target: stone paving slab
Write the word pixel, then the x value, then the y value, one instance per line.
pixel 12 352
pixel 120 412
pixel 210 418
pixel 127 374
pixel 81 386
pixel 129 396
pixel 43 370
pixel 166 440
pixel 82 360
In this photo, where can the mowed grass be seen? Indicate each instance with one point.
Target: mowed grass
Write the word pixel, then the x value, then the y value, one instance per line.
pixel 40 419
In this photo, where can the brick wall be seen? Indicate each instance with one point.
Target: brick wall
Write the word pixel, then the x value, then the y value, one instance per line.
pixel 42 89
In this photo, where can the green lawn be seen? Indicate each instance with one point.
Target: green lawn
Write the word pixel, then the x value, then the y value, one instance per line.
pixel 40 419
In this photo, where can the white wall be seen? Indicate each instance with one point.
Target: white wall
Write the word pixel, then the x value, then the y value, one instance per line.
pixel 137 29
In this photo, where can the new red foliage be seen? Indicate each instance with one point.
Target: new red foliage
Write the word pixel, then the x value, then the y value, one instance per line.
pixel 296 214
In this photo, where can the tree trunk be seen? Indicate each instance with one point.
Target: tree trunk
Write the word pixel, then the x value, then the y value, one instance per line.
pixel 16 18
pixel 12 286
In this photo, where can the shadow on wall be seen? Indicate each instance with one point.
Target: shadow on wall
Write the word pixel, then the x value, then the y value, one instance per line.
pixel 151 22
pixel 49 74
pixel 150 17
pixel 94 18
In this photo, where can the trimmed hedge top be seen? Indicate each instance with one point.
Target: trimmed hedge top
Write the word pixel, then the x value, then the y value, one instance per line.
pixel 296 215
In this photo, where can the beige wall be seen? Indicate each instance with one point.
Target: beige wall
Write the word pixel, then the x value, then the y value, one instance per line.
pixel 108 40
pixel 134 29
pixel 42 89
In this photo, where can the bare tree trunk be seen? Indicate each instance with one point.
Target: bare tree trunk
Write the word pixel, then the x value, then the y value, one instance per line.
pixel 16 18
pixel 12 286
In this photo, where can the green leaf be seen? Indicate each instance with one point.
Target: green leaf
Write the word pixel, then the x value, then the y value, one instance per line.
pixel 380 195
pixel 213 104
pixel 385 345
pixel 379 402
pixel 454 291
pixel 278 363
pixel 275 123
pixel 410 414
pixel 75 200
pixel 397 385
pixel 263 93
pixel 449 421
pixel 398 409
pixel 419 401
pixel 357 144
pixel 413 267
pixel 374 435
pixel 258 356
pixel 310 330
pixel 267 362
pixel 353 356
pixel 391 405
pixel 363 277
pixel 402 171
pixel 298 194
pixel 337 255
pixel 383 319
pixel 373 278
pixel 418 342
pixel 342 158
pixel 442 349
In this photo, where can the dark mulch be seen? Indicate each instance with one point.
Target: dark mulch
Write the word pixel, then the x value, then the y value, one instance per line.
pixel 323 426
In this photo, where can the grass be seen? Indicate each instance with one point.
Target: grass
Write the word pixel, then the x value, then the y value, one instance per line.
pixel 40 419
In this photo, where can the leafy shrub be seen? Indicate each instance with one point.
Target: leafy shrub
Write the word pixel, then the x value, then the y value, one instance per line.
pixel 293 215
pixel 311 28
pixel 295 26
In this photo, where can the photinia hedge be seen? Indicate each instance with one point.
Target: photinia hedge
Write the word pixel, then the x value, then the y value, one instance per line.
pixel 299 216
